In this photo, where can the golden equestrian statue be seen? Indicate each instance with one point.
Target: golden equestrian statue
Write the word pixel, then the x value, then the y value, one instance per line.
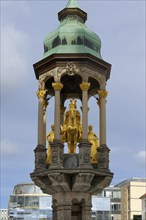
pixel 72 129
pixel 50 138
pixel 93 139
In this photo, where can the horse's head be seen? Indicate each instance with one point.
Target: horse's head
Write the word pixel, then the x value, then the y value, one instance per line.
pixel 73 104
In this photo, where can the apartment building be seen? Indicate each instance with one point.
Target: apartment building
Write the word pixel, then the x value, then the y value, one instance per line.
pixel 131 190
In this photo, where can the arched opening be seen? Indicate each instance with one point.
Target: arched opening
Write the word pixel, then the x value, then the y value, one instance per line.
pixel 71 87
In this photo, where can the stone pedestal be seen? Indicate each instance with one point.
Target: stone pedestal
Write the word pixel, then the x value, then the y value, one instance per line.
pixel 72 206
pixel 56 154
pixel 40 157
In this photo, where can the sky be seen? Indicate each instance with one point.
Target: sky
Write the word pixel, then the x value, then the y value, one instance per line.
pixel 121 26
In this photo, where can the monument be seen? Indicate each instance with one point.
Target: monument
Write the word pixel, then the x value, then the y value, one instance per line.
pixel 71 69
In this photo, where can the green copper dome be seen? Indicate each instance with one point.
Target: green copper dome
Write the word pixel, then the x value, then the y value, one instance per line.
pixel 72 36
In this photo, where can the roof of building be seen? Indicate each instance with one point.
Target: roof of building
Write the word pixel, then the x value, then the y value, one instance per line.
pixel 134 179
pixel 72 36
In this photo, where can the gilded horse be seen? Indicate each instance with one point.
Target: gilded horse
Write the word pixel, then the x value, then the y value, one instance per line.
pixel 72 127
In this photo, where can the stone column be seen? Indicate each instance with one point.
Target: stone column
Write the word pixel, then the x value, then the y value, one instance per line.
pixel 56 145
pixel 102 105
pixel 40 151
pixel 44 119
pixel 41 125
pixel 103 150
pixel 85 87
pixel 85 146
pixel 64 212
pixel 86 212
pixel 57 87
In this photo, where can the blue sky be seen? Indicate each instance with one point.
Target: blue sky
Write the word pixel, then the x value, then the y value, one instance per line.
pixel 121 27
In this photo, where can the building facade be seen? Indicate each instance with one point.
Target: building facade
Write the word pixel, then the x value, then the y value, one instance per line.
pixel 3 214
pixel 131 190
pixel 28 202
pixel 107 205
pixel 143 199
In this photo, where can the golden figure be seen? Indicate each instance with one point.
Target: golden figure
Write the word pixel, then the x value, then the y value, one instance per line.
pixel 50 139
pixel 72 129
pixel 93 139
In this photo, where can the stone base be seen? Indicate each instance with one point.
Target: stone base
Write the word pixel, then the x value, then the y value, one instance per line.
pixel 71 206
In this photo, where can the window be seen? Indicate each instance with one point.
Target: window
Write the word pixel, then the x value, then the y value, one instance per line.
pixel 137 217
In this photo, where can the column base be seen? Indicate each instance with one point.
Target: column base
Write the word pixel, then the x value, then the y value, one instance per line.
pixel 84 154
pixel 103 158
pixel 40 157
pixel 56 154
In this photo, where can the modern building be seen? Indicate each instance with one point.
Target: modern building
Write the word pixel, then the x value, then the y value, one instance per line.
pixel 3 214
pixel 29 203
pixel 107 205
pixel 131 191
pixel 143 198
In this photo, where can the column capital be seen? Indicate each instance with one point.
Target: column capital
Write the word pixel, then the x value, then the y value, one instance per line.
pixel 57 86
pixel 85 86
pixel 102 93
pixel 41 93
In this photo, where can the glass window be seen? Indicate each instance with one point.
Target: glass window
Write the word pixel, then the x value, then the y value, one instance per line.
pixel 108 194
pixel 13 202
pixel 20 201
pixel 35 201
pixel 116 194
pixel 45 202
pixel 27 202
pixel 115 207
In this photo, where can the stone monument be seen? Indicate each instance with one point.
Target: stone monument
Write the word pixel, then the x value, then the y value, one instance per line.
pixel 72 68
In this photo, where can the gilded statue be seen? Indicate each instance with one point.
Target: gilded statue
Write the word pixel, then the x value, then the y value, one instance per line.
pixel 50 138
pixel 72 129
pixel 93 139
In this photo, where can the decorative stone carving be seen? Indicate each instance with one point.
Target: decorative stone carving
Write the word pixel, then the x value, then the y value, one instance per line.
pixel 71 69
pixel 59 182
pixel 86 73
pixel 103 157
pixel 82 182
pixel 40 157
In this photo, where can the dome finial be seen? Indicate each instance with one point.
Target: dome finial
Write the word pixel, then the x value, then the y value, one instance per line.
pixel 72 4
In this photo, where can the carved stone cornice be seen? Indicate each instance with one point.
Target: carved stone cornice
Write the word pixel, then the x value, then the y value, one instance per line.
pixel 41 93
pixel 102 93
pixel 85 86
pixel 57 86
pixel 72 69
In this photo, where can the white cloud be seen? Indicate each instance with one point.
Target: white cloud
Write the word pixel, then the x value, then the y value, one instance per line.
pixel 8 147
pixel 141 156
pixel 13 57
